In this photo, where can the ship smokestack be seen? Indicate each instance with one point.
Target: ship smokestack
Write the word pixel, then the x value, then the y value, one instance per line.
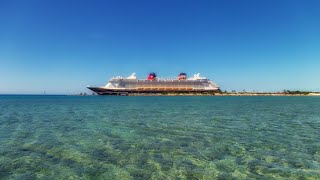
pixel 182 76
pixel 152 76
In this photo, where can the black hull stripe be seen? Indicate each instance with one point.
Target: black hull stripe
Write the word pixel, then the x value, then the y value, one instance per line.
pixel 101 91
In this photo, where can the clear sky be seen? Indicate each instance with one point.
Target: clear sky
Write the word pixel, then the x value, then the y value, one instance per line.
pixel 61 46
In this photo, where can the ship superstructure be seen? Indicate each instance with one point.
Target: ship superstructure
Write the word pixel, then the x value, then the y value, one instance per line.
pixel 131 85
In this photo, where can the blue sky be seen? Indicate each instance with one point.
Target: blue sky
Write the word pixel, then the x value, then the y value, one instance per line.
pixel 62 46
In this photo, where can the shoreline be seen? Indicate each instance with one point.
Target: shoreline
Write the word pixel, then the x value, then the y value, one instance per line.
pixel 227 94
pixel 179 94
pixel 266 94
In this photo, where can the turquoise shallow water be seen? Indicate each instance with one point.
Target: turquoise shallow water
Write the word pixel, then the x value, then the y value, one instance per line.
pixel 70 137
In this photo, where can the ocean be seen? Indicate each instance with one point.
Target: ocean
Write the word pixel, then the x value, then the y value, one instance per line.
pixel 108 137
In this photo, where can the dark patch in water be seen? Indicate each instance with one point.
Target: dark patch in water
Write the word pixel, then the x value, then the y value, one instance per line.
pixel 104 156
pixel 140 175
pixel 4 172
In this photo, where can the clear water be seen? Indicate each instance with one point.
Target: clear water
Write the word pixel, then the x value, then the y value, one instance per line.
pixel 69 137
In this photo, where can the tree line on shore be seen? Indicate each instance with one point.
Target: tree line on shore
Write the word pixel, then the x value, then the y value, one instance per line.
pixel 288 92
pixel 285 92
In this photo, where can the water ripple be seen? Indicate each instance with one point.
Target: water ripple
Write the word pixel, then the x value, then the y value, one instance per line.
pixel 62 137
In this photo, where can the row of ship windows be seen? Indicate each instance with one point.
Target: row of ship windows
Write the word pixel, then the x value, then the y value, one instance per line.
pixel 131 85
pixel 163 83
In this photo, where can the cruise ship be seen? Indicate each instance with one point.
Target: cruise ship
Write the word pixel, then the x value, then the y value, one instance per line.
pixel 153 85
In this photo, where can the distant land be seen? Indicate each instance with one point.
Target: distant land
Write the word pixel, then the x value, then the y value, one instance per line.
pixel 222 93
pixel 226 93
